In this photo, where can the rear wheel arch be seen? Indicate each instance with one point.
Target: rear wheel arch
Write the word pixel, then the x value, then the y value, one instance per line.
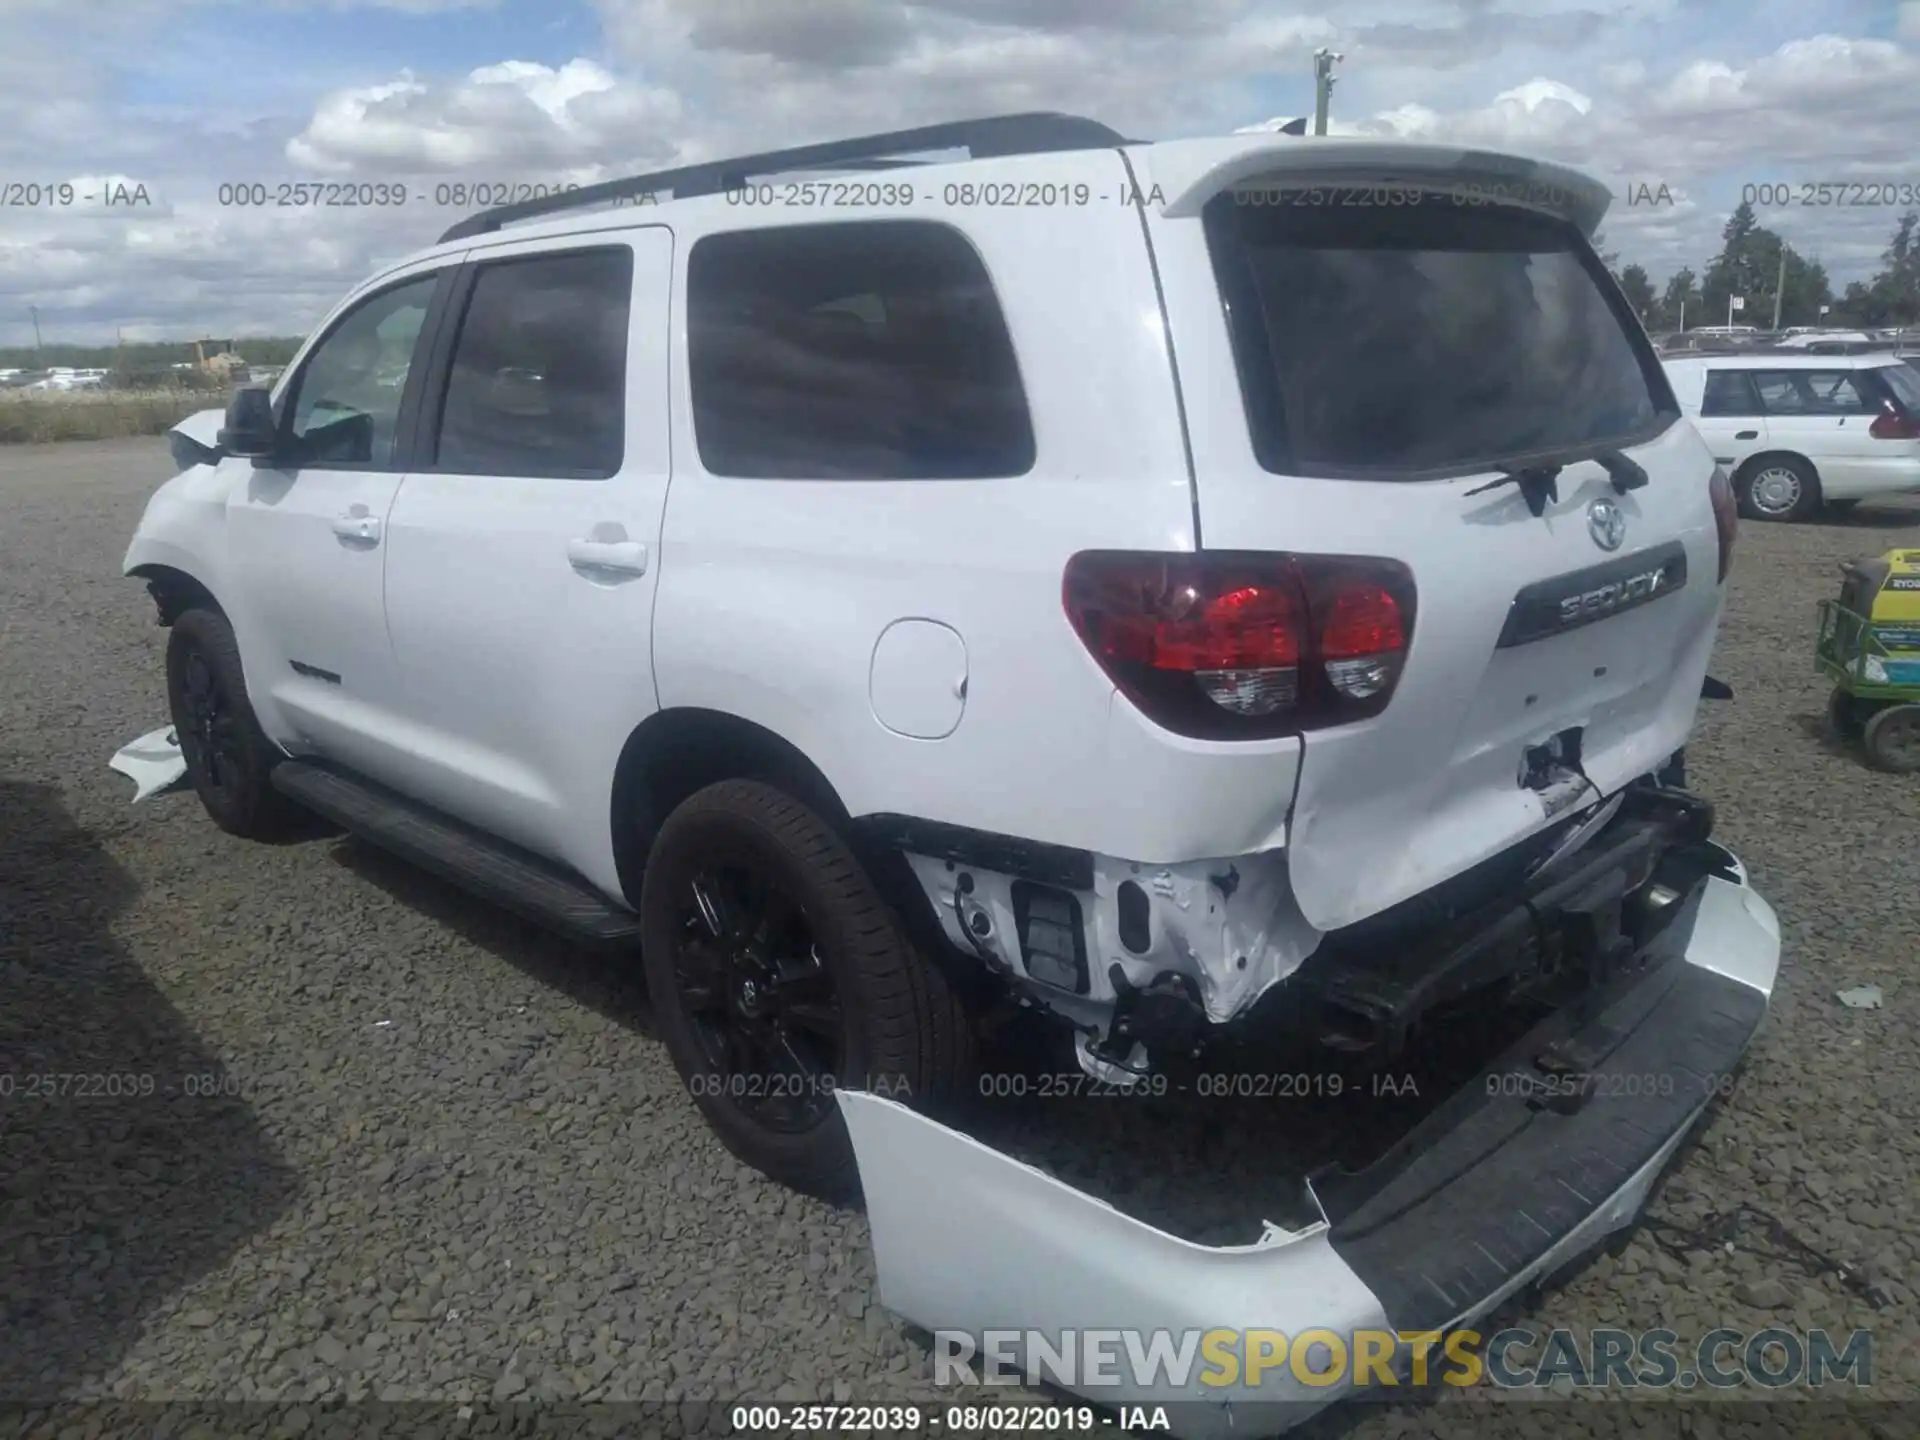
pixel 673 754
pixel 175 592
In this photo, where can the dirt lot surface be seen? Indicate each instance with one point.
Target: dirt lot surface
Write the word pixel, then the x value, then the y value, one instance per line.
pixel 386 1144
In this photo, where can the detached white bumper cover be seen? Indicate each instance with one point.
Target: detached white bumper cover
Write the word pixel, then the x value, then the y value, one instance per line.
pixel 153 762
pixel 1486 1195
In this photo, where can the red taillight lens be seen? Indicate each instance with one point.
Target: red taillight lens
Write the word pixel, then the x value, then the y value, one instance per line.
pixel 1891 424
pixel 1237 645
pixel 1726 517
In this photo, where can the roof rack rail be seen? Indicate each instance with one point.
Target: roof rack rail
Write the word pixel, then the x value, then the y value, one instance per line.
pixel 1031 133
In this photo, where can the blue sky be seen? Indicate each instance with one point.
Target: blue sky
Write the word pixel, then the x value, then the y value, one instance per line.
pixel 183 95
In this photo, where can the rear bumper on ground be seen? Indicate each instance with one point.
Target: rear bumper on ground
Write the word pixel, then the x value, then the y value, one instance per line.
pixel 1488 1194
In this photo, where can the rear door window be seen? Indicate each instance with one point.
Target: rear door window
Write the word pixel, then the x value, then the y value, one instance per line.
pixel 1839 392
pixel 1781 392
pixel 1729 392
pixel 1426 339
pixel 867 350
pixel 538 380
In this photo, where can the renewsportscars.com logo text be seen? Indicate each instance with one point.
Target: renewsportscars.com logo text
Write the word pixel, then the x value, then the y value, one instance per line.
pixel 1514 1358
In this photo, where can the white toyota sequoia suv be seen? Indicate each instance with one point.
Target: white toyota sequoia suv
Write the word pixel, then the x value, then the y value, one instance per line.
pixel 1225 588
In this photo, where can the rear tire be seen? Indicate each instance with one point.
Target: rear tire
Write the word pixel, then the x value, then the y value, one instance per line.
pixel 1893 739
pixel 779 974
pixel 229 758
pixel 1778 487
pixel 1843 714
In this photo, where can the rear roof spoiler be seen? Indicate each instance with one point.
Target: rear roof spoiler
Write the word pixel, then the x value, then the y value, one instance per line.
pixel 1189 173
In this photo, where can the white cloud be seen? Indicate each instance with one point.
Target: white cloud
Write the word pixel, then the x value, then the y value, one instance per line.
pixel 515 113
pixel 1638 91
pixel 1537 93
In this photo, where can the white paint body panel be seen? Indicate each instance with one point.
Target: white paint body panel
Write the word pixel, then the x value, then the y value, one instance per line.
pixel 523 673
pixel 774 593
pixel 969 1240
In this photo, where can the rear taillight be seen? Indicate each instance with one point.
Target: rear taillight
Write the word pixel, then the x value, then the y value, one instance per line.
pixel 1726 517
pixel 1892 424
pixel 1230 645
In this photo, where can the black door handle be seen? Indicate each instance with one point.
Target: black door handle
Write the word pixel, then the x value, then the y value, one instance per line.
pixel 1746 434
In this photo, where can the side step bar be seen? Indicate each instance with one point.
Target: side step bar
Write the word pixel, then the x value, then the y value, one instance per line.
pixel 508 877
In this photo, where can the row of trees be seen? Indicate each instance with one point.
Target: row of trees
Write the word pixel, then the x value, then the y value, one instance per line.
pixel 139 356
pixel 1748 265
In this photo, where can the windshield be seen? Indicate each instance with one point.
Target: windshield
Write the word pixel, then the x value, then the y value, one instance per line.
pixel 1425 339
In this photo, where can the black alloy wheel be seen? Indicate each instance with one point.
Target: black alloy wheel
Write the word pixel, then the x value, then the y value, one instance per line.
pixel 228 757
pixel 781 976
pixel 757 994
pixel 210 733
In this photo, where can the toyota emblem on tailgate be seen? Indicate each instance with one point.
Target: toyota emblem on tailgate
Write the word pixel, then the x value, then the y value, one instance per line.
pixel 1606 524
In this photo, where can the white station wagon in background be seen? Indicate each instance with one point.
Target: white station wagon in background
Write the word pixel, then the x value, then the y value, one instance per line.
pixel 1799 432
pixel 910 604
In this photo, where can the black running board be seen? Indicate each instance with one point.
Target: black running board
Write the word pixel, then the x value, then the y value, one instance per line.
pixel 489 868
pixel 1493 1180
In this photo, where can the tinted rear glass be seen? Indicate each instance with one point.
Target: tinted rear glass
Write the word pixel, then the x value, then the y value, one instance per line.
pixel 865 350
pixel 1411 340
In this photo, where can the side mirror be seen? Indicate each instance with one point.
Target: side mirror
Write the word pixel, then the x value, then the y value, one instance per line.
pixel 250 428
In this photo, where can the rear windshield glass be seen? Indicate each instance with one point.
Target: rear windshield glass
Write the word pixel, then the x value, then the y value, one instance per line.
pixel 1905 384
pixel 1424 339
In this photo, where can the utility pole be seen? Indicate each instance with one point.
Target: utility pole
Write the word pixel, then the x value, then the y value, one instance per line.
pixel 1780 285
pixel 1323 63
pixel 39 356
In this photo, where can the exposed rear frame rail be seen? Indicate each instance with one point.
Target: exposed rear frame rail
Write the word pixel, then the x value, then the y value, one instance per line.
pixel 1029 133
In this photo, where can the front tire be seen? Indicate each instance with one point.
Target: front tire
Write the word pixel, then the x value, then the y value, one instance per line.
pixel 779 974
pixel 229 758
pixel 1779 487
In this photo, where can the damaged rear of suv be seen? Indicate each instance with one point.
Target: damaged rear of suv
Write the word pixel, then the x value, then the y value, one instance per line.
pixel 1456 574
pixel 1227 598
pixel 1446 622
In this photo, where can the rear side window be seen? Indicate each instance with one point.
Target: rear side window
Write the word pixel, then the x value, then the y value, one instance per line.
pixel 1419 340
pixel 538 379
pixel 869 350
pixel 1813 392
pixel 1729 392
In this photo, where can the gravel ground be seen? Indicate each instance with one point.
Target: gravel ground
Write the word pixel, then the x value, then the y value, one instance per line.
pixel 400 1147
